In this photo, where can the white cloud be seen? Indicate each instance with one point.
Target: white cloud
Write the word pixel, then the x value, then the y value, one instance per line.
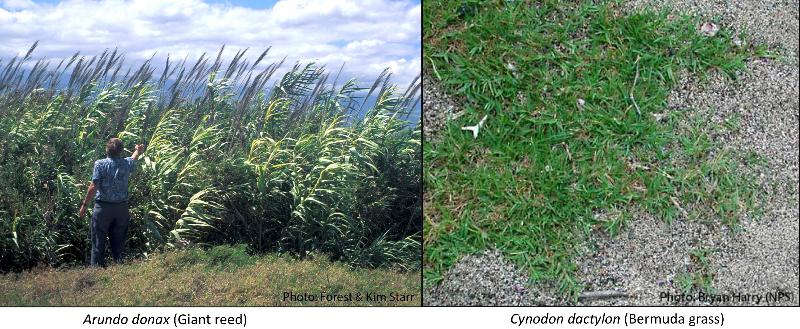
pixel 369 35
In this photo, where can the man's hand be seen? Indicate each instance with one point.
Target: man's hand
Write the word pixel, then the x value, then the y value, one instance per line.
pixel 89 195
pixel 139 149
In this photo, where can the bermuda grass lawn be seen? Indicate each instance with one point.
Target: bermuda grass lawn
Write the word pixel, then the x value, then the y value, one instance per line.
pixel 545 171
pixel 222 276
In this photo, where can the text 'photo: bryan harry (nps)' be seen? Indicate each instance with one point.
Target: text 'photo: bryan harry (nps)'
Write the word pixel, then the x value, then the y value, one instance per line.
pixel 210 153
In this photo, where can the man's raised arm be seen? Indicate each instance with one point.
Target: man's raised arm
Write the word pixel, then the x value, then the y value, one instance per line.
pixel 138 152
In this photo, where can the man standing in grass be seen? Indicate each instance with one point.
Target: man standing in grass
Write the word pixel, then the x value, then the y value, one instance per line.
pixel 109 187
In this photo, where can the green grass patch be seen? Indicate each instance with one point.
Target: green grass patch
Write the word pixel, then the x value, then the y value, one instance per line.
pixel 699 275
pixel 545 170
pixel 224 257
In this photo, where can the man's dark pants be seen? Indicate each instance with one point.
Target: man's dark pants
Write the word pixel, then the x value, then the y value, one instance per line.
pixel 109 221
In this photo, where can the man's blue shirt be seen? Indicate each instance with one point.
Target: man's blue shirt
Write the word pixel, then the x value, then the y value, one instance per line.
pixel 110 176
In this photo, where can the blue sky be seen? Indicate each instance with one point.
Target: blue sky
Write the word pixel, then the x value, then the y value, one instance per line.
pixel 368 35
pixel 258 4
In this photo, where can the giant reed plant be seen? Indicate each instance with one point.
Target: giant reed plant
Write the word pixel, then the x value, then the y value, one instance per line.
pixel 298 164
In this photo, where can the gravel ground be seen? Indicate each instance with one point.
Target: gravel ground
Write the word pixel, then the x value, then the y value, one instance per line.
pixel 768 22
pixel 762 258
pixel 438 108
pixel 481 279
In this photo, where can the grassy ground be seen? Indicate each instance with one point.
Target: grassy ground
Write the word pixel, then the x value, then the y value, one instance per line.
pixel 223 276
pixel 545 169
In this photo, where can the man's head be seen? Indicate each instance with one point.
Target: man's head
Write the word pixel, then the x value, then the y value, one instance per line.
pixel 114 148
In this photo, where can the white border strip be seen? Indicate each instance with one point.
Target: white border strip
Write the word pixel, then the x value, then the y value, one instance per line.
pixel 395 317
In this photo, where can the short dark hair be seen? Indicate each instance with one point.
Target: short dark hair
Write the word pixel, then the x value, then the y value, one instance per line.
pixel 114 147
